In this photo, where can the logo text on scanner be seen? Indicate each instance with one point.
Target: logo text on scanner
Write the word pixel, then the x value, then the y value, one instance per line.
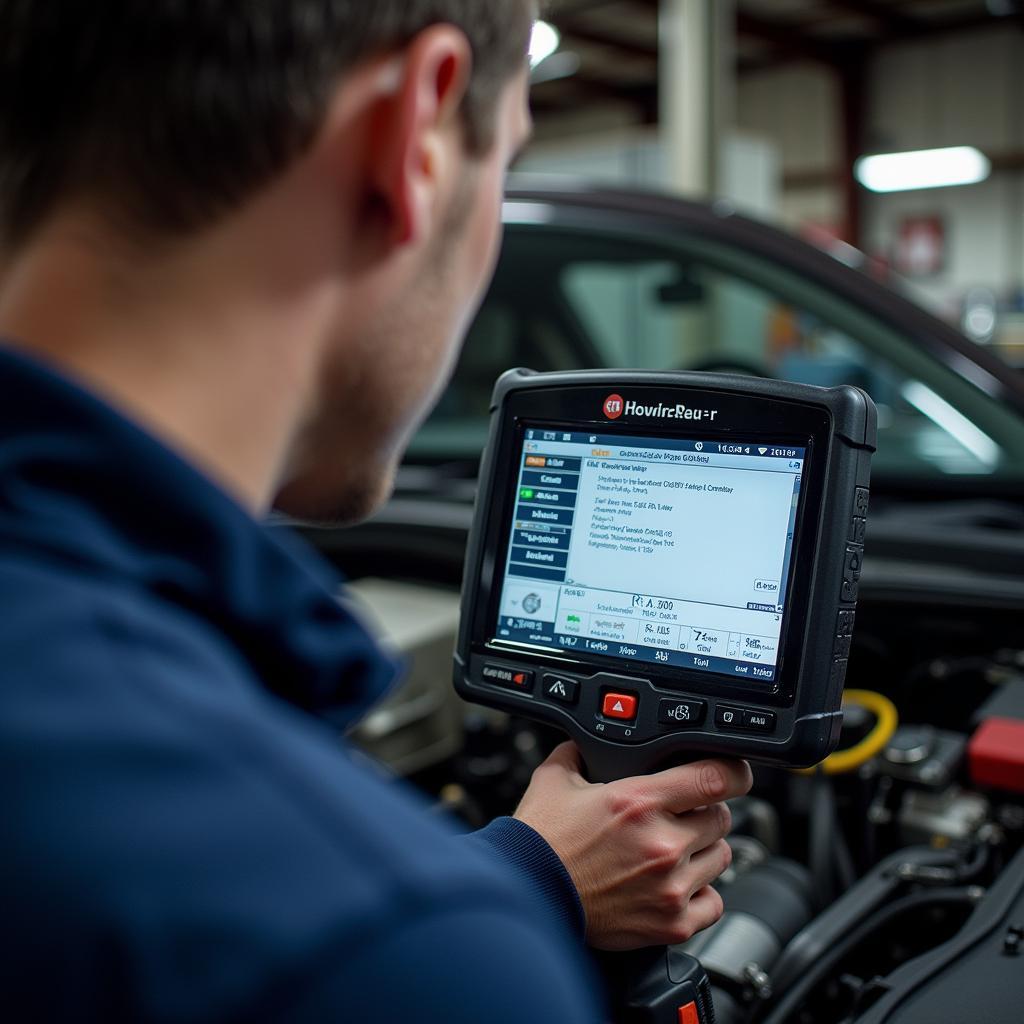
pixel 616 405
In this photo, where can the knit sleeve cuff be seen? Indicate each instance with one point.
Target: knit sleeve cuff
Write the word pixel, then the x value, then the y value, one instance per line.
pixel 533 859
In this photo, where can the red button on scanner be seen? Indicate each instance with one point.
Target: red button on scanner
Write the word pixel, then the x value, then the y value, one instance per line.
pixel 688 1014
pixel 619 705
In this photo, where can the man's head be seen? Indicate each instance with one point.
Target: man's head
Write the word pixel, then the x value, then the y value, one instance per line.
pixel 173 111
pixel 379 130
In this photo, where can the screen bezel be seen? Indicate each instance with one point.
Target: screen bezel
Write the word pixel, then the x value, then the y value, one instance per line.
pixel 803 426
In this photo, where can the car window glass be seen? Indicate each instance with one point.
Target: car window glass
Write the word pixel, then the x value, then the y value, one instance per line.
pixel 662 315
pixel 648 314
pixel 581 298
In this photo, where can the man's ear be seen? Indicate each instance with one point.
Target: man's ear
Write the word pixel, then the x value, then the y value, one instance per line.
pixel 417 138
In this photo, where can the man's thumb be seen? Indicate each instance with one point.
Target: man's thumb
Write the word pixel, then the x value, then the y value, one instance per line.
pixel 565 757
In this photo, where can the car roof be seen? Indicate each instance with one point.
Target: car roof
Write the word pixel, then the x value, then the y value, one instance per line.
pixel 568 202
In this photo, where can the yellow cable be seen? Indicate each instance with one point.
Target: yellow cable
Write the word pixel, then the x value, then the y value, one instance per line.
pixel 887 718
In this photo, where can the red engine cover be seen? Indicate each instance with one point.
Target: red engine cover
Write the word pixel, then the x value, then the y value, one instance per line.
pixel 996 754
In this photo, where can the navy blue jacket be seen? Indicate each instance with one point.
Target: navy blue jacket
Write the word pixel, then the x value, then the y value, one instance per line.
pixel 184 836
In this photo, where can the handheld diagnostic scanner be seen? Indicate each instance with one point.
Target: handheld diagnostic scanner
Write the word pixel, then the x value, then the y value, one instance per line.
pixel 665 565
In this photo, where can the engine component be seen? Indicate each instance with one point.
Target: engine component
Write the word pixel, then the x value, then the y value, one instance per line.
pixel 996 755
pixel 886 720
pixel 973 976
pixel 1006 702
pixel 879 886
pixel 757 818
pixel 923 756
pixel 764 908
pixel 420 724
pixel 952 815
pixel 996 750
pixel 902 917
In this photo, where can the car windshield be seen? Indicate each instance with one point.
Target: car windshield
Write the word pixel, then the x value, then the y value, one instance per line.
pixel 574 297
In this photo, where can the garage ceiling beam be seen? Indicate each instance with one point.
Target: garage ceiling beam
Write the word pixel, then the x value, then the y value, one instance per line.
pixel 629 92
pixel 782 42
pixel 893 19
pixel 584 34
pixel 574 93
pixel 786 39
pixel 561 9
pixel 946 26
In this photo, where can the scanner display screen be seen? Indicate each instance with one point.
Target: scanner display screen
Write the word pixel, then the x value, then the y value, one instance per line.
pixel 664 550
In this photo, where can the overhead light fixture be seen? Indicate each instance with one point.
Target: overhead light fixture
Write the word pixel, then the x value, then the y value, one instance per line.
pixel 544 41
pixel 563 64
pixel 923 168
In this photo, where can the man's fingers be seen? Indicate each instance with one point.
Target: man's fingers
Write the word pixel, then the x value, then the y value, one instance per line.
pixel 682 789
pixel 706 866
pixel 705 909
pixel 641 851
pixel 704 828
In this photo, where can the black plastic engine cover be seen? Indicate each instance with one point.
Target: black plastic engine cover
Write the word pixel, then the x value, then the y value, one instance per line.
pixel 976 976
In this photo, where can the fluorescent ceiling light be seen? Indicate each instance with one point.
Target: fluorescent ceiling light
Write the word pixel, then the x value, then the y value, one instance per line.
pixel 923 168
pixel 563 64
pixel 544 41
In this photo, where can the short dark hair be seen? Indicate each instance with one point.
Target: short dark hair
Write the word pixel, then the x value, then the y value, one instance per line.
pixel 177 110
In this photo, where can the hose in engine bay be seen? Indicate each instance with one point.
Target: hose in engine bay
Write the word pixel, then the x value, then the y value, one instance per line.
pixel 842 762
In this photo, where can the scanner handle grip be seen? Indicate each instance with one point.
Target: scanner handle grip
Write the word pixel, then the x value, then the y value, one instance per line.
pixel 657 985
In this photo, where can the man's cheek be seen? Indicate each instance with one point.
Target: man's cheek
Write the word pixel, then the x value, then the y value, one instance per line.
pixel 491 231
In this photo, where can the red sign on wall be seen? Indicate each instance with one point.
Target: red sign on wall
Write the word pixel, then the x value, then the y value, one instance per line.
pixel 920 247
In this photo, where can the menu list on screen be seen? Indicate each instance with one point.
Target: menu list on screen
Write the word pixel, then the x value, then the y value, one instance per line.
pixel 671 551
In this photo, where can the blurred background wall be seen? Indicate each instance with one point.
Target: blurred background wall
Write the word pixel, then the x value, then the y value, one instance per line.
pixel 789 94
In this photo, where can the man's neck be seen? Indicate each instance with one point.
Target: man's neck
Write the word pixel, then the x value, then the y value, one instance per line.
pixel 218 363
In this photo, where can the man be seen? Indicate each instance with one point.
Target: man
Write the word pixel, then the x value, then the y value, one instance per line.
pixel 240 242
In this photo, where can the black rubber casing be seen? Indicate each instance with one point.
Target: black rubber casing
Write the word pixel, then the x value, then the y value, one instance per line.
pixel 837 426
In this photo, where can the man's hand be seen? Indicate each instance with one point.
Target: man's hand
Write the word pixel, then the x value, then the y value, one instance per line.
pixel 643 851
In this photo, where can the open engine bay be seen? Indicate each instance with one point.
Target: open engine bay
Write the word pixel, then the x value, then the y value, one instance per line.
pixel 887 885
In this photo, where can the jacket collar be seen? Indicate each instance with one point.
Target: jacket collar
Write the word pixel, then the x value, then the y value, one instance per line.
pixel 83 485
